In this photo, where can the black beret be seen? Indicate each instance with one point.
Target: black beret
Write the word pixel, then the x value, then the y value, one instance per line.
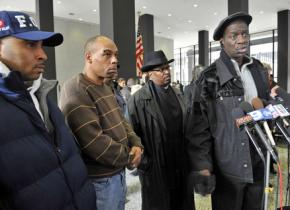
pixel 219 31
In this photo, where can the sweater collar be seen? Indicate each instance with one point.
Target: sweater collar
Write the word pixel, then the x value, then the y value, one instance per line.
pixel 5 72
pixel 226 69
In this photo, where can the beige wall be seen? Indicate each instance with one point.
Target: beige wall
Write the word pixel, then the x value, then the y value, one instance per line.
pixel 165 44
pixel 69 55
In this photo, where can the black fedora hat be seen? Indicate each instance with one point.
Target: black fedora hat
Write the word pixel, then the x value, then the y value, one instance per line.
pixel 219 31
pixel 154 59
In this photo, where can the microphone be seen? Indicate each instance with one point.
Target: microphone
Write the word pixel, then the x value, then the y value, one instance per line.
pixel 277 113
pixel 243 120
pixel 278 110
pixel 266 115
pixel 246 107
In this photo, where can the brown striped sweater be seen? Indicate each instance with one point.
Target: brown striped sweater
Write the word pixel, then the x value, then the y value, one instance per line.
pixel 95 118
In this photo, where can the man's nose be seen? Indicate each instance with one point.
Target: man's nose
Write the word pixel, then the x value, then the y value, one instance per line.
pixel 242 39
pixel 114 59
pixel 41 55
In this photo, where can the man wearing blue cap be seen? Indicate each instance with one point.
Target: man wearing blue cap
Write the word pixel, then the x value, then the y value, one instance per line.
pixel 40 164
pixel 217 146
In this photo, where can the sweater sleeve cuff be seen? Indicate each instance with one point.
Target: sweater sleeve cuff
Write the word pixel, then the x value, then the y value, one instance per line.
pixel 135 141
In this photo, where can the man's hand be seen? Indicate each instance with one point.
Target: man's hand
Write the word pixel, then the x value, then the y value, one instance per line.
pixel 136 153
pixel 273 91
pixel 203 182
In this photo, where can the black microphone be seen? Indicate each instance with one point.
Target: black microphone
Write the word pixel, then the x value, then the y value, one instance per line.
pixel 279 113
pixel 283 131
pixel 246 107
pixel 242 121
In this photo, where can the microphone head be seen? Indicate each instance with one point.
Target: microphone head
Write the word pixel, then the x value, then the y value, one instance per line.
pixel 257 103
pixel 266 102
pixel 237 113
pixel 240 118
pixel 246 107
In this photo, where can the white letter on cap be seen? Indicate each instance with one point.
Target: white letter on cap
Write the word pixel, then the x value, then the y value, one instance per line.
pixel 33 21
pixel 21 20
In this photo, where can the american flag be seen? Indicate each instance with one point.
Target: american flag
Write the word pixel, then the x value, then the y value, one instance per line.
pixel 139 52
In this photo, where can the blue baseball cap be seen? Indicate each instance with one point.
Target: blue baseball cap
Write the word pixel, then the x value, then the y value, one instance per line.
pixel 23 26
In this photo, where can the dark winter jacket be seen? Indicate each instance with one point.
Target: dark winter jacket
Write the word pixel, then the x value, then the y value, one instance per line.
pixel 41 168
pixel 215 141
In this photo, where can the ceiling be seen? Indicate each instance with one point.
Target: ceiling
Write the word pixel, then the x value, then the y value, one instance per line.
pixel 179 20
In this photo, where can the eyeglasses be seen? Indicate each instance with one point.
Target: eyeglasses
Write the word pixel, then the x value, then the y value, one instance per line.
pixel 163 68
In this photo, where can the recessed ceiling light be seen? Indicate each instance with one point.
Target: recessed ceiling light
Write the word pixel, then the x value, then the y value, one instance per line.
pixel 168 28
pixel 94 10
pixel 80 19
pixel 215 13
pixel 195 5
pixel 144 7
pixel 189 21
pixel 59 2
pixel 261 12
pixel 169 14
pixel 206 26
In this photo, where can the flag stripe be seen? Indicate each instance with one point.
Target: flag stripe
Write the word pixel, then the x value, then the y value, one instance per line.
pixel 139 52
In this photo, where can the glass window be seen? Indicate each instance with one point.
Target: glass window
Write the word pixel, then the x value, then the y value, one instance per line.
pixel 261 47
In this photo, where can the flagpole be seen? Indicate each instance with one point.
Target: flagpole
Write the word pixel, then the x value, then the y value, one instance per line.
pixel 139 49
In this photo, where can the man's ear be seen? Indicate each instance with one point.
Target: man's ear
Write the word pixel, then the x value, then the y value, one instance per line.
pixel 88 57
pixel 150 74
pixel 222 42
pixel 0 47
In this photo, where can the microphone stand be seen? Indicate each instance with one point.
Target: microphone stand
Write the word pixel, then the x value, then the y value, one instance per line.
pixel 270 152
pixel 287 137
pixel 267 177
pixel 258 149
pixel 266 164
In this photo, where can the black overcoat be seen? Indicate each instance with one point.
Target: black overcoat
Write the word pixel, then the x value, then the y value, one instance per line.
pixel 149 125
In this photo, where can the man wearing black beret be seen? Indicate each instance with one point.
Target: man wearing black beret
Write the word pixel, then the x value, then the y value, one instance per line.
pixel 157 114
pixel 218 148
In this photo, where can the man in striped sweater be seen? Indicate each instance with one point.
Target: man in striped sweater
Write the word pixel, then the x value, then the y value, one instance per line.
pixel 107 141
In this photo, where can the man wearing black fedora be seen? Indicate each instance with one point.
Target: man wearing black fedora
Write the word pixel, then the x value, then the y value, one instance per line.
pixel 157 113
pixel 223 149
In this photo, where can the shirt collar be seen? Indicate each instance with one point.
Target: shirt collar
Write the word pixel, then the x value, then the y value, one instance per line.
pixel 4 70
pixel 224 63
pixel 247 62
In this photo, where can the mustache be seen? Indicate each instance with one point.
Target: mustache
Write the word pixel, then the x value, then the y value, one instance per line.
pixel 40 64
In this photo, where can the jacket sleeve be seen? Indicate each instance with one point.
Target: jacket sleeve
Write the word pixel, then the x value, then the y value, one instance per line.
pixel 83 119
pixel 134 107
pixel 134 140
pixel 198 135
pixel 284 95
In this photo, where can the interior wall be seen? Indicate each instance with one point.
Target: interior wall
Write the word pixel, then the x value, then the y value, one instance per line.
pixel 69 55
pixel 167 45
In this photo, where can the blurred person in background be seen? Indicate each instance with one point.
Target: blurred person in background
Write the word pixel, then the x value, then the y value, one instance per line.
pixel 190 88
